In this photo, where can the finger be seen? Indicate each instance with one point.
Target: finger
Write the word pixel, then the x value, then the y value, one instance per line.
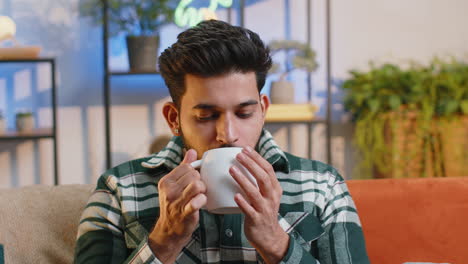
pixel 168 184
pixel 195 204
pixel 176 173
pixel 245 207
pixel 187 178
pixel 193 189
pixel 249 189
pixel 264 164
pixel 184 167
pixel 263 180
pixel 190 156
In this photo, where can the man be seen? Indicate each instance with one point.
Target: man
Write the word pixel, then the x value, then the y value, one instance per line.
pixel 149 210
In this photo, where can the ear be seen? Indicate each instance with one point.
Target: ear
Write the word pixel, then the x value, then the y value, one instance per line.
pixel 264 103
pixel 171 114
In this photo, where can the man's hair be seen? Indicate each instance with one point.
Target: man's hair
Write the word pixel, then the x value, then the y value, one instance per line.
pixel 213 48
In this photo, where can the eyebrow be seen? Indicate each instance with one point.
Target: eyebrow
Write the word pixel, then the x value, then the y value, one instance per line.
pixel 211 106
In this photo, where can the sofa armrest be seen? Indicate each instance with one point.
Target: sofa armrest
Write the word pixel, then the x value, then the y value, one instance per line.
pixel 38 224
pixel 413 220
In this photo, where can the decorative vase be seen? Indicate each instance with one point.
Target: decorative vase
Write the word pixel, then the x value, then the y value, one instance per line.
pixel 142 53
pixel 282 92
pixel 24 123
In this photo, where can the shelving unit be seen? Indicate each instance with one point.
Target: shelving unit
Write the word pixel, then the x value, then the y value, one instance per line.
pixel 310 123
pixel 108 74
pixel 40 133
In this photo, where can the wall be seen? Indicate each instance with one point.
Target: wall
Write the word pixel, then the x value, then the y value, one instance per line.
pixel 392 31
pixel 361 30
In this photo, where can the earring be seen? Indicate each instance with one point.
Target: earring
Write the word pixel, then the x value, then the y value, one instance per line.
pixel 176 130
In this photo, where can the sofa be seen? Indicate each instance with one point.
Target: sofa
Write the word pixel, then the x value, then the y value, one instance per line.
pixel 404 220
pixel 414 220
pixel 38 223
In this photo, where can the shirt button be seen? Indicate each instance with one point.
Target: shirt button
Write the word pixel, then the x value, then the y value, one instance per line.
pixel 228 232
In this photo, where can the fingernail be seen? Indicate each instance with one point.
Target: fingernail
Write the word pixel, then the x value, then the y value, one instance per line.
pixel 235 169
pixel 248 149
pixel 240 156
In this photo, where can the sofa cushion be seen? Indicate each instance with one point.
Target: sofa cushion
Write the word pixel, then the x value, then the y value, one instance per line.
pixel 413 220
pixel 38 224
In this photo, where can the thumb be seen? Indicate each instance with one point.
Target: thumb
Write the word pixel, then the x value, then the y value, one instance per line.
pixel 190 156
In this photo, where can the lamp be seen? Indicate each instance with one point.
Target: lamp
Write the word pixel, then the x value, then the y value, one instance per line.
pixel 190 16
pixel 7 28
pixel 17 51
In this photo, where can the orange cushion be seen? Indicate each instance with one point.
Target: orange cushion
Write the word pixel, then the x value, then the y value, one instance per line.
pixel 414 220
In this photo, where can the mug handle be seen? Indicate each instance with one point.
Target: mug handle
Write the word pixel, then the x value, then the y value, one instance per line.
pixel 196 164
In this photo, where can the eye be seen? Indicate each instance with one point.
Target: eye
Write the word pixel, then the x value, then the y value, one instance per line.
pixel 209 117
pixel 244 114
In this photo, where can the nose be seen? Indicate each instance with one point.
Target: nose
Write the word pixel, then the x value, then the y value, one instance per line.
pixel 226 130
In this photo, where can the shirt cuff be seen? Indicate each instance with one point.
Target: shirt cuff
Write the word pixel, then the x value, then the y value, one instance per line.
pixel 144 254
pixel 296 253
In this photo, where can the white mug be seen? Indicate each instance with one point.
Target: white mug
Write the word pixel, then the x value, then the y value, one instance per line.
pixel 220 186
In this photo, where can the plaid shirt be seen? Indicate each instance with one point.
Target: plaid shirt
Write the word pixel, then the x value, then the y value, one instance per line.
pixel 316 211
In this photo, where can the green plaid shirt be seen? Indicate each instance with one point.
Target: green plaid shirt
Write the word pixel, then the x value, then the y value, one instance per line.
pixel 316 211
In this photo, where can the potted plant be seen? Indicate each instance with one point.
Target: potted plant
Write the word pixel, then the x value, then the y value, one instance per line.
pixel 24 121
pixel 301 56
pixel 140 21
pixel 410 122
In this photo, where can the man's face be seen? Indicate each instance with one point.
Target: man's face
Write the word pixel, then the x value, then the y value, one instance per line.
pixel 221 111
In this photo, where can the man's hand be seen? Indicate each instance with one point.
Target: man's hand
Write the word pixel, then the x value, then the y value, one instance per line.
pixel 261 225
pixel 181 195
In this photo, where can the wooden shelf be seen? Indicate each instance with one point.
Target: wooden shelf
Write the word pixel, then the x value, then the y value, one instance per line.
pixel 26 60
pixel 292 113
pixel 33 134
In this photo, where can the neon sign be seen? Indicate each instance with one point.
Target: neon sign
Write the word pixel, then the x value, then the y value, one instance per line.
pixel 190 16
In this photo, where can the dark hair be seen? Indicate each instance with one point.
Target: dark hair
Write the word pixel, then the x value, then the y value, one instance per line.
pixel 213 48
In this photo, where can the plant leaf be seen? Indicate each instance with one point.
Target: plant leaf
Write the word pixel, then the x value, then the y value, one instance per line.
pixel 394 101
pixel 464 106
pixel 374 105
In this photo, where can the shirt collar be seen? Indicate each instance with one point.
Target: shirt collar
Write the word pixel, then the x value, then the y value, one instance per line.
pixel 172 154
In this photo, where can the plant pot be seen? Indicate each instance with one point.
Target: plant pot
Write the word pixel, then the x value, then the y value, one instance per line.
pixel 2 126
pixel 24 123
pixel 453 134
pixel 282 92
pixel 406 146
pixel 142 53
pixel 446 154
